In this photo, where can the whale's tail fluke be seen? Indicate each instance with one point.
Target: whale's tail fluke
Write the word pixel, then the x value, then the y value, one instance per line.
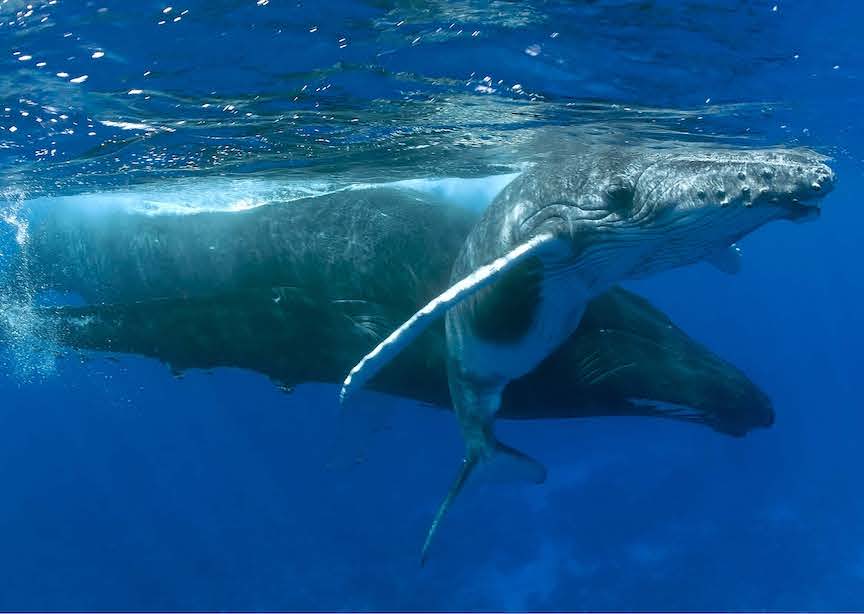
pixel 502 464
pixel 465 471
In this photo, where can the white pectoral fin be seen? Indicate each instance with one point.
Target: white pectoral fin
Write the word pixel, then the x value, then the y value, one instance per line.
pixel 373 362
pixel 726 259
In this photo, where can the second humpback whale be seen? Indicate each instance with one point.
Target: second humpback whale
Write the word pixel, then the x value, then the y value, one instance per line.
pixel 565 231
pixel 300 290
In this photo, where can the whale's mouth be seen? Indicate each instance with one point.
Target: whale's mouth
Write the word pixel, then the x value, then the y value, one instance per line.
pixel 806 204
pixel 803 211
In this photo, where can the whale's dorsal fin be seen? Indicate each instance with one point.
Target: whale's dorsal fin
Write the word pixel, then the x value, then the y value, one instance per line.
pixel 373 362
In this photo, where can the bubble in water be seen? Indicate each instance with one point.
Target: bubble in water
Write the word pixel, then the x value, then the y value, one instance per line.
pixel 28 343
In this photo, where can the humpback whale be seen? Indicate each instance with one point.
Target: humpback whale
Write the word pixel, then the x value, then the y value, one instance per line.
pixel 564 232
pixel 333 275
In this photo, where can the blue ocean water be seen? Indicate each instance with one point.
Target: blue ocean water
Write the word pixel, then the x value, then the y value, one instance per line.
pixel 127 488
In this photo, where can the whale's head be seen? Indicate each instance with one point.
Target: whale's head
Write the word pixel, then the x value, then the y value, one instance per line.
pixel 677 207
pixel 745 185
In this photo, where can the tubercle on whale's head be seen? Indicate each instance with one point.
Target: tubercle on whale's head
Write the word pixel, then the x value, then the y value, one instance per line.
pixel 787 183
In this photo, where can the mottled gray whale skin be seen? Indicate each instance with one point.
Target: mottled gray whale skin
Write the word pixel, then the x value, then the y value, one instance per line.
pixel 299 291
pixel 321 244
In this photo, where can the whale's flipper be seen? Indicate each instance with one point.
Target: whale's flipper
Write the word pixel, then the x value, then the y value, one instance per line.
pixel 511 462
pixel 364 370
pixel 727 260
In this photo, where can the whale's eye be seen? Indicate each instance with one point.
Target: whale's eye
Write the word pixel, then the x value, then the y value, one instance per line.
pixel 619 194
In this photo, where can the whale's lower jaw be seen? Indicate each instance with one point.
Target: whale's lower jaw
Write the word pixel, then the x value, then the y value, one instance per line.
pixel 628 253
pixel 803 212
